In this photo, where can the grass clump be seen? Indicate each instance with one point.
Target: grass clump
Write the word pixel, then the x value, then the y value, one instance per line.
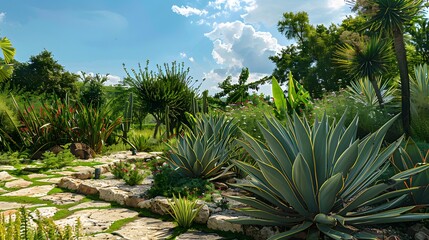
pixel 184 211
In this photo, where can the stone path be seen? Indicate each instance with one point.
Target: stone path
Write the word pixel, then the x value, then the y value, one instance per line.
pixel 39 191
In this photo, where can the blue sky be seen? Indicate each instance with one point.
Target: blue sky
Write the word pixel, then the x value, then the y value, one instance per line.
pixel 213 38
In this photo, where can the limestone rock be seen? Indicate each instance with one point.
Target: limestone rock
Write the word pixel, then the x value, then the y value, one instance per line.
pixel 103 236
pixel 146 229
pixel 160 205
pixel 20 183
pixel 12 205
pixel 145 204
pixel 81 151
pixel 5 176
pixel 69 183
pixel 97 220
pixel 37 175
pixel 219 221
pixel 92 204
pixel 63 198
pixel 37 191
pixel 87 189
pixel 133 201
pixel 203 214
pixel 113 194
pixel 196 235
pixel 260 233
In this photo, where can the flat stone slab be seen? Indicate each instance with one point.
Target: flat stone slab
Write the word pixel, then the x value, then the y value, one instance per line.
pixel 7 168
pixel 65 173
pixel 13 205
pixel 37 191
pixel 103 236
pixel 51 180
pixel 64 198
pixel 97 220
pixel 5 176
pixel 37 175
pixel 197 235
pixel 20 183
pixel 92 204
pixel 146 229
pixel 46 212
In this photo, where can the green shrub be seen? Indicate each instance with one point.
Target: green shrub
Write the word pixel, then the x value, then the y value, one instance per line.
pixel 167 182
pixel 322 179
pixel 10 158
pixel 335 104
pixel 120 169
pixel 184 211
pixel 57 161
pixel 134 176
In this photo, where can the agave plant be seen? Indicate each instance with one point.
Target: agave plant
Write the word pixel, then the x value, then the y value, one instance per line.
pixel 419 88
pixel 409 157
pixel 321 179
pixel 362 91
pixel 205 149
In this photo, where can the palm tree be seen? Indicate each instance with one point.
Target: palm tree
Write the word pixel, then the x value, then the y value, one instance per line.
pixel 366 60
pixel 5 63
pixel 390 17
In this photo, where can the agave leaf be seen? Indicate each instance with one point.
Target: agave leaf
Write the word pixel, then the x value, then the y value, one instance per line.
pixel 388 205
pixel 389 214
pixel 285 187
pixel 320 150
pixel 333 233
pixel 328 192
pixel 347 138
pixel 276 217
pixel 407 173
pixel 296 229
pixel 305 145
pixel 304 183
pixel 253 221
pixel 346 160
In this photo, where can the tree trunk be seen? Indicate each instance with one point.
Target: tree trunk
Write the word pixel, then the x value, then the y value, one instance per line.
pixel 401 57
pixel 158 123
pixel 377 91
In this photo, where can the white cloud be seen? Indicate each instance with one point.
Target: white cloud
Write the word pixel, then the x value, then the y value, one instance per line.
pixel 237 45
pixel 2 16
pixel 182 55
pixel 269 12
pixel 232 5
pixel 188 11
pixel 113 80
pixel 191 59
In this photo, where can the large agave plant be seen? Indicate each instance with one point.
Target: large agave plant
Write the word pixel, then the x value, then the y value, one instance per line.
pixel 409 157
pixel 321 179
pixel 205 149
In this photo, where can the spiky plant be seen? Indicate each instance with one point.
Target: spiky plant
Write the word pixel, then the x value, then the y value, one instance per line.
pixel 368 61
pixel 362 91
pixel 321 179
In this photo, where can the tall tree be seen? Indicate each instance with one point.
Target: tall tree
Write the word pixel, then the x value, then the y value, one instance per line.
pixel 91 92
pixel 390 17
pixel 310 59
pixel 8 54
pixel 420 38
pixel 43 74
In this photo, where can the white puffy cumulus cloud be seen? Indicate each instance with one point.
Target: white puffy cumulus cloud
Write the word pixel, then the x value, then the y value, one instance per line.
pixel 269 12
pixel 188 11
pixel 111 79
pixel 2 16
pixel 237 45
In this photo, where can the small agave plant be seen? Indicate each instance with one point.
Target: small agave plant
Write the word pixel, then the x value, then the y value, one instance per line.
pixel 204 150
pixel 321 179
